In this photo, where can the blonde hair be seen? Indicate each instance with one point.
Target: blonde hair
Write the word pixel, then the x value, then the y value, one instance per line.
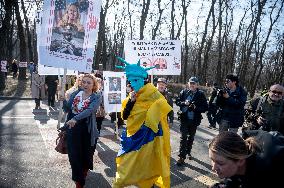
pixel 95 86
pixel 64 21
pixel 232 146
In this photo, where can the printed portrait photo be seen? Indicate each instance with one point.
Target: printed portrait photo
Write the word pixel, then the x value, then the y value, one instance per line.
pixel 114 84
pixel 114 98
pixel 68 26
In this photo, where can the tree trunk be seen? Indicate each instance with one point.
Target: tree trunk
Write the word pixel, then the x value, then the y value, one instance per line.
pixel 200 50
pixel 185 64
pixel 242 76
pixel 21 34
pixel 158 22
pixel 172 34
pixel 30 49
pixel 143 17
pixel 5 34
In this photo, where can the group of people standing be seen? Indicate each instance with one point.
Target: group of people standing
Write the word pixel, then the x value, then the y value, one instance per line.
pixel 40 84
pixel 246 157
pixel 148 111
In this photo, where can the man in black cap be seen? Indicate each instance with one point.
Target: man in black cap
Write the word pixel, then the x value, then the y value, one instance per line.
pixel 162 88
pixel 192 103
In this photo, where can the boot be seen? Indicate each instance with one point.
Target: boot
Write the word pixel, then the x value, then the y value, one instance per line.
pixel 180 162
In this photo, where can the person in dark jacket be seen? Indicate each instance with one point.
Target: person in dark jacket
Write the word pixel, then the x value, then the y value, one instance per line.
pixel 51 82
pixel 14 68
pixel 192 103
pixel 266 112
pixel 212 108
pixel 252 161
pixel 162 88
pixel 231 101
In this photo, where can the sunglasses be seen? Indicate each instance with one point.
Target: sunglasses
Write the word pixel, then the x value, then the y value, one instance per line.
pixel 276 92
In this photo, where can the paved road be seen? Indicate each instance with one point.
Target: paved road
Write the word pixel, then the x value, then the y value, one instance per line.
pixel 28 158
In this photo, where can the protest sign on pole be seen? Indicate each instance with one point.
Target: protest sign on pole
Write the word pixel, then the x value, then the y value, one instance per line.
pixel 4 66
pixel 44 69
pixel 114 90
pixel 164 54
pixel 23 64
pixel 69 43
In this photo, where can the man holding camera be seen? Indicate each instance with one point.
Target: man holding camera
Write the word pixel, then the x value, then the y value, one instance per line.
pixel 192 103
pixel 266 112
pixel 231 101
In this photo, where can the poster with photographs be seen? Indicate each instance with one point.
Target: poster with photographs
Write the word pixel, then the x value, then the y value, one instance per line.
pixel 45 69
pixel 68 33
pixel 165 55
pixel 114 90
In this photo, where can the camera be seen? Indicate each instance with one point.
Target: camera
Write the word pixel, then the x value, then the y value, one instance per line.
pixel 191 106
pixel 221 91
pixel 252 117
pixel 179 113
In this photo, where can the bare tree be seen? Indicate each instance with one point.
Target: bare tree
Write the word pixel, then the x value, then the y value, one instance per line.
pixel 130 20
pixel 101 48
pixel 143 17
pixel 5 30
pixel 185 62
pixel 30 49
pixel 172 32
pixel 21 34
pixel 203 40
pixel 158 23
pixel 248 51
pixel 264 45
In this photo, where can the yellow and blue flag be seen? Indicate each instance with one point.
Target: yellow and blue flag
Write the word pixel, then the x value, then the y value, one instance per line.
pixel 144 157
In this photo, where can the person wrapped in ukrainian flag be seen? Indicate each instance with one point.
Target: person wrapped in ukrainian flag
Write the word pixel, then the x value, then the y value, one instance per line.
pixel 144 156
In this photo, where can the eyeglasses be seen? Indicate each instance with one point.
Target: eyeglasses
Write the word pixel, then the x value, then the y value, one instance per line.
pixel 227 81
pixel 276 92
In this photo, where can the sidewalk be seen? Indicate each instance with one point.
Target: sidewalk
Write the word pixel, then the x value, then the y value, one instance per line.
pixel 17 89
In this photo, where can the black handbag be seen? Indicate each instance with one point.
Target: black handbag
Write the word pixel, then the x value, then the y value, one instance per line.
pixel 61 142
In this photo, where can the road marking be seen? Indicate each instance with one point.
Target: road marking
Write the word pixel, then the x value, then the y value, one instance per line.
pixel 205 180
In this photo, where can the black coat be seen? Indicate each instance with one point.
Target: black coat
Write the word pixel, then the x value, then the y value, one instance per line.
pixel 232 108
pixel 199 100
pixel 264 168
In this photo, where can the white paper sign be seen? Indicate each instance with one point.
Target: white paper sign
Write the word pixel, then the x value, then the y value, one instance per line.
pixel 68 33
pixel 44 69
pixel 3 66
pixel 114 90
pixel 164 54
pixel 23 64
pixel 47 70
